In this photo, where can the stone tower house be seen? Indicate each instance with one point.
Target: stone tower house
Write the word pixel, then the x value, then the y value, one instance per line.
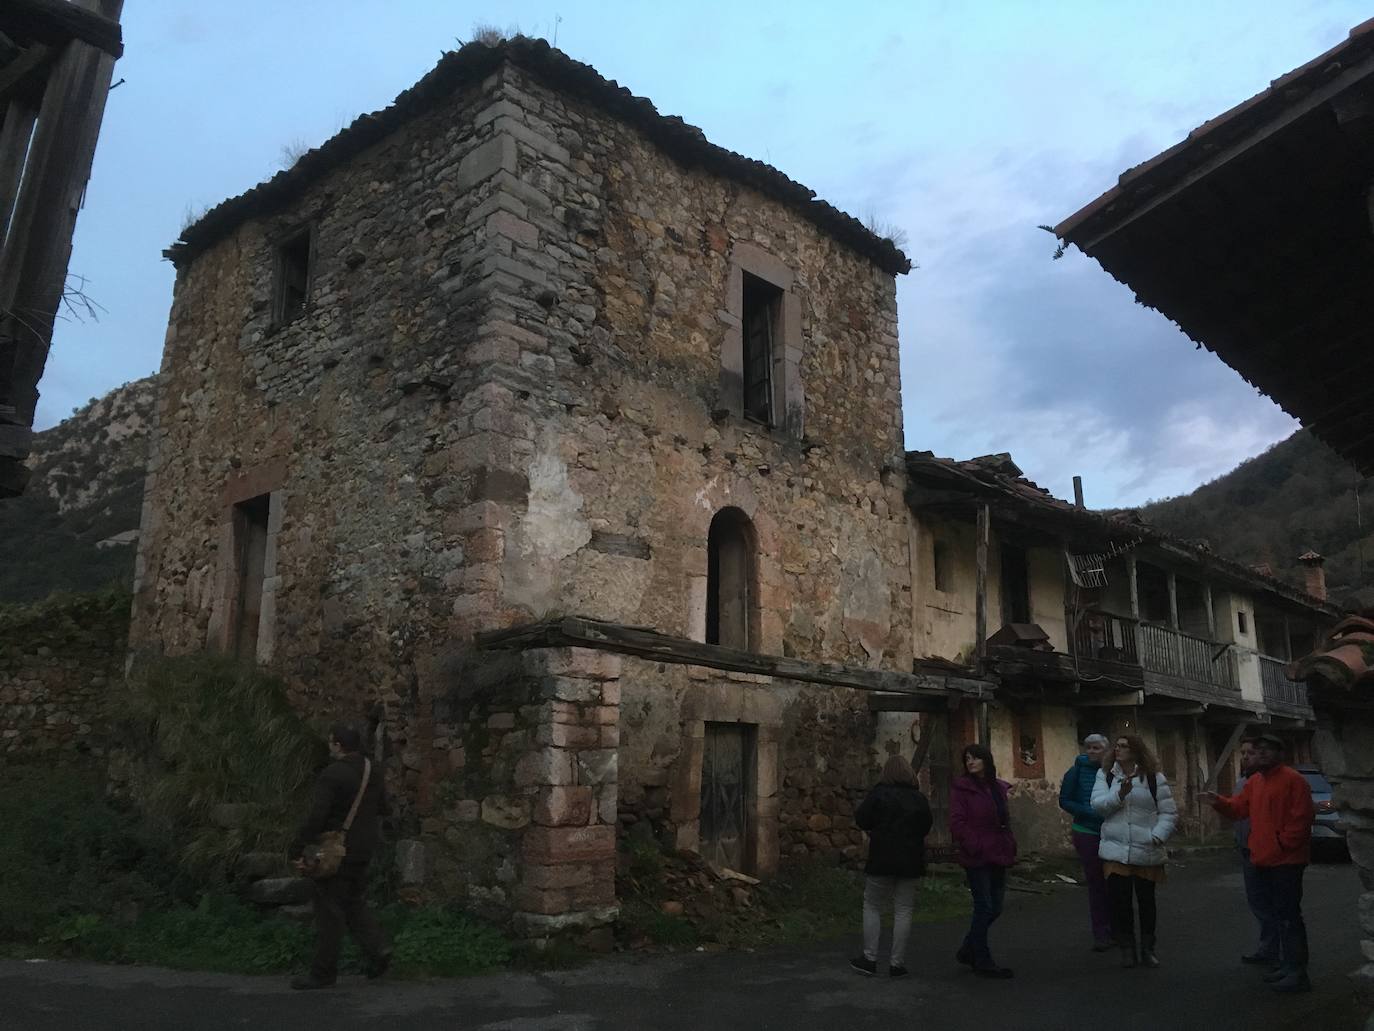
pixel 519 346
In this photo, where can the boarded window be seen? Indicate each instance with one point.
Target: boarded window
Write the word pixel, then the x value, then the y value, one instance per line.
pixel 942 560
pixel 762 317
pixel 250 559
pixel 730 581
pixel 293 276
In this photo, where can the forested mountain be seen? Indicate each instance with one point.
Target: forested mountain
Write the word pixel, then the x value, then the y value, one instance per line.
pixel 1296 496
pixel 75 527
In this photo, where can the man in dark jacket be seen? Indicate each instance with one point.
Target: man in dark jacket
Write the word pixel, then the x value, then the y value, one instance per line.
pixel 339 902
pixel 897 818
pixel 1076 799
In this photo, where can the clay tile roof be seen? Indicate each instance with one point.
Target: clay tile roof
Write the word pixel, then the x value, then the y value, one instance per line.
pixel 995 482
pixel 1147 178
pixel 471 65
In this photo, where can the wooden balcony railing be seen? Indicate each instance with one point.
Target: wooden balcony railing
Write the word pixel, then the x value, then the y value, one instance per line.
pixel 1278 689
pixel 1101 635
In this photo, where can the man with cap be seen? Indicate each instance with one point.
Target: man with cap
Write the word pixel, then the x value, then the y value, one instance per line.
pixel 1278 802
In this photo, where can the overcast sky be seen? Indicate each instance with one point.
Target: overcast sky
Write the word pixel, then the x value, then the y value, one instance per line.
pixel 964 124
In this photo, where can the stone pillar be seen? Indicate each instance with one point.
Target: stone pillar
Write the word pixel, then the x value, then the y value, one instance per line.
pixel 566 879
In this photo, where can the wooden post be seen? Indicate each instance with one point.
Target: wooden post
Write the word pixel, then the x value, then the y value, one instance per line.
pixel 1211 613
pixel 1287 640
pixel 1195 764
pixel 1133 582
pixel 1172 581
pixel 981 616
pixel 38 238
pixel 980 600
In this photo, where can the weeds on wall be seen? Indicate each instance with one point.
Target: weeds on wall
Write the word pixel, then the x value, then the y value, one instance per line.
pixel 222 764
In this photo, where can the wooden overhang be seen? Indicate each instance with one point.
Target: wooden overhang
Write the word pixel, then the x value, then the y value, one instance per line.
pixel 888 688
pixel 1254 236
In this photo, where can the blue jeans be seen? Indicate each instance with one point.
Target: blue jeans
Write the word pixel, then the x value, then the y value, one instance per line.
pixel 988 886
pixel 1258 901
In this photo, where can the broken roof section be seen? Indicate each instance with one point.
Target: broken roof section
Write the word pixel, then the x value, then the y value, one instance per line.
pixel 1254 236
pixel 472 64
pixel 996 480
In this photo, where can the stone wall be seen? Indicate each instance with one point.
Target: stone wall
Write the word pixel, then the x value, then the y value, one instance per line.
pixel 59 661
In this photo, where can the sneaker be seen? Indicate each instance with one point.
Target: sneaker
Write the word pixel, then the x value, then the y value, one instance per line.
pixel 1106 945
pixel 896 970
pixel 964 956
pixel 306 982
pixel 1274 976
pixel 864 965
pixel 1258 957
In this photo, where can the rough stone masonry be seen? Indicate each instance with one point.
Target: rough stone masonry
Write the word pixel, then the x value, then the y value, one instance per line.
pixel 514 388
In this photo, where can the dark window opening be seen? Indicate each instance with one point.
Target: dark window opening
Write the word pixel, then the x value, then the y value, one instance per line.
pixel 730 586
pixel 1152 592
pixel 761 320
pixel 293 276
pixel 1242 624
pixel 250 559
pixel 1015 585
pixel 943 564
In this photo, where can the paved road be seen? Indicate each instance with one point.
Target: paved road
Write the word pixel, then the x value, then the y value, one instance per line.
pixel 1060 983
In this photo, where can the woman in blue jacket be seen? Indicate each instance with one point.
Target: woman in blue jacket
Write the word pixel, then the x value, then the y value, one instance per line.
pixel 1076 799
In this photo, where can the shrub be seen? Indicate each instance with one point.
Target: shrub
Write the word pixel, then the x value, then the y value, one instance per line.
pixel 208 731
pixel 447 943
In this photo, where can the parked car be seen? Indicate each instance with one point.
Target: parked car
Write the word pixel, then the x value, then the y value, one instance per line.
pixel 1328 832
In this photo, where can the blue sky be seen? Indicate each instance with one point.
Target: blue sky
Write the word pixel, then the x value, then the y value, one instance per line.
pixel 966 125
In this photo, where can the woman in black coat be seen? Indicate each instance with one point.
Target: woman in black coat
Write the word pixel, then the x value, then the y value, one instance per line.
pixel 897 818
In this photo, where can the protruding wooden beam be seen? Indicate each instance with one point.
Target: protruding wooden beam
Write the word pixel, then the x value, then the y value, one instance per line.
pixel 57 21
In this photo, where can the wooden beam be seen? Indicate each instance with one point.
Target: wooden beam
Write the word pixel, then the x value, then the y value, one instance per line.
pixel 1128 698
pixel 1175 710
pixel 14 74
pixel 1224 757
pixel 15 133
pixel 911 702
pixel 918 758
pixel 577 632
pixel 57 21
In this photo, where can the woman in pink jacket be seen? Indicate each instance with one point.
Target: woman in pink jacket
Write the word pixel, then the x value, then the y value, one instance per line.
pixel 981 829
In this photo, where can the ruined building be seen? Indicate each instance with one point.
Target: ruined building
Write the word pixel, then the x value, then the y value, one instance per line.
pixel 518 348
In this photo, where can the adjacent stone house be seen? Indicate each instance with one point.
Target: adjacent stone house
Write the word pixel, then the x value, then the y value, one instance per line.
pixel 519 347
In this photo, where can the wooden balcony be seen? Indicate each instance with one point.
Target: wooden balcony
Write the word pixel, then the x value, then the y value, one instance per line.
pixel 1172 662
pixel 1281 695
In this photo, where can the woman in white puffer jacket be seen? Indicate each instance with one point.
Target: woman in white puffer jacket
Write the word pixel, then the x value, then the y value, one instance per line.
pixel 1138 815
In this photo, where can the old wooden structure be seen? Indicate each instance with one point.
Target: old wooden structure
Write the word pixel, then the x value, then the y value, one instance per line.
pixel 56 62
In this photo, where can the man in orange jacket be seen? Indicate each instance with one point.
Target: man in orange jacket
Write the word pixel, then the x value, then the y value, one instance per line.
pixel 1278 802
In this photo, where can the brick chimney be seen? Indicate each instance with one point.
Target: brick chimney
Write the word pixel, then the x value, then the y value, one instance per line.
pixel 1314 574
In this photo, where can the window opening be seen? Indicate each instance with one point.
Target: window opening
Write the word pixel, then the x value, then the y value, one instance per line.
pixel 293 276
pixel 1242 623
pixel 250 558
pixel 730 580
pixel 1015 585
pixel 942 562
pixel 762 309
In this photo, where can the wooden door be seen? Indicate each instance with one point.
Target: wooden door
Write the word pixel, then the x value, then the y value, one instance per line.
pixel 726 795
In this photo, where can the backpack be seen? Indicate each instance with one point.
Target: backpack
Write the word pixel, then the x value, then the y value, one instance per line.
pixel 1150 781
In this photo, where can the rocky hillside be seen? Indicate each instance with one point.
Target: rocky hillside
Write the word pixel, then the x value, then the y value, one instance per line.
pixel 1269 510
pixel 76 526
